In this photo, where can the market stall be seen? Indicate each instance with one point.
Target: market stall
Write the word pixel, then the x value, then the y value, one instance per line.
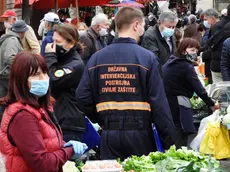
pixel 173 160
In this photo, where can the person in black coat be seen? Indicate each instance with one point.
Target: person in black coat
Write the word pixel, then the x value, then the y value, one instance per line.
pixel 181 81
pixel 65 71
pixel 225 60
pixel 159 39
pixel 218 34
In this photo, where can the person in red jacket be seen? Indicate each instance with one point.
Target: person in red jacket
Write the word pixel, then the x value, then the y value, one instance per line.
pixel 31 139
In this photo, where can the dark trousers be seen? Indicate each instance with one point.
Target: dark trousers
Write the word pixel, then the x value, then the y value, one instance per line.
pixel 72 135
pixel 122 144
pixel 181 136
pixel 3 93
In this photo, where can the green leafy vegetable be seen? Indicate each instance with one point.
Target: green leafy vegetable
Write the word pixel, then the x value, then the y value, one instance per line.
pixel 181 160
pixel 139 164
pixel 197 103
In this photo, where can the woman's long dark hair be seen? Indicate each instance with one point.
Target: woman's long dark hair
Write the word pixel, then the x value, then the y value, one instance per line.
pixel 26 64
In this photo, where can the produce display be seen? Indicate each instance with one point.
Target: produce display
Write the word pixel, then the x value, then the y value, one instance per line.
pixel 197 103
pixel 181 160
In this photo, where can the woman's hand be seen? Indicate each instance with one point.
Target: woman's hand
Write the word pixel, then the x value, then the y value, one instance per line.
pixel 50 48
pixel 78 148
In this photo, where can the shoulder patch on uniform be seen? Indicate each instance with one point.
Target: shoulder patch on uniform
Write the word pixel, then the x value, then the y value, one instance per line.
pixel 59 73
pixel 67 70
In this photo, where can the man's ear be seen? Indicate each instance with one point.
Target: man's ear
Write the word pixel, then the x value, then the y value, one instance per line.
pixel 135 25
pixel 97 27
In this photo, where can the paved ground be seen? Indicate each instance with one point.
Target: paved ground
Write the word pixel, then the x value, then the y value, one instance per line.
pixel 226 165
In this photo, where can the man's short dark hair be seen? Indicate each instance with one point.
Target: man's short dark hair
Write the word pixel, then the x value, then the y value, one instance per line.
pixel 126 16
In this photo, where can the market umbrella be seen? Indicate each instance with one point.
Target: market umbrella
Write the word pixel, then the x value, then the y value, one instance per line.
pixel 51 4
pixel 125 3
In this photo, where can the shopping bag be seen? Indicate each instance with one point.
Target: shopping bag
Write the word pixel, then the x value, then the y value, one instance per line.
pixel 216 141
pixel 157 139
pixel 91 137
pixel 195 144
pixel 2 163
pixel 70 167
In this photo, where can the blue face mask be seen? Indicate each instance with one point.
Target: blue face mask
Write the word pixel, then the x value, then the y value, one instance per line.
pixel 39 87
pixel 168 32
pixel 206 24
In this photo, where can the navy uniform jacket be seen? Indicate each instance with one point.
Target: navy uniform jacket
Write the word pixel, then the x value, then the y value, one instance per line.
pixel 122 82
pixel 65 74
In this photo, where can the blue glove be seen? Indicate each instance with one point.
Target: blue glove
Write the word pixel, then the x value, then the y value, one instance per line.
pixel 78 148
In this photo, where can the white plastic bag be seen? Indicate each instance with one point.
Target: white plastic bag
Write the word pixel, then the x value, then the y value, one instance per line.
pixel 70 167
pixel 2 163
pixel 195 144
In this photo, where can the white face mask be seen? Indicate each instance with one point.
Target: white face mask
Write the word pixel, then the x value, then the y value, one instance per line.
pixel 81 32
pixel 103 32
pixel 7 25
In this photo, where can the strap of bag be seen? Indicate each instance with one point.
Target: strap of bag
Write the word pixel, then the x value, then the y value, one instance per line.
pixel 8 134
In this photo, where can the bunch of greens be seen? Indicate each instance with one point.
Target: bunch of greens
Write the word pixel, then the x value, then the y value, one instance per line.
pixel 139 164
pixel 197 103
pixel 200 160
pixel 181 160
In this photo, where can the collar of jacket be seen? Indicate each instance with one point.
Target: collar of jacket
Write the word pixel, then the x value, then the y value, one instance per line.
pixel 50 33
pixel 125 40
pixel 69 56
pixel 93 33
pixel 173 58
pixel 226 18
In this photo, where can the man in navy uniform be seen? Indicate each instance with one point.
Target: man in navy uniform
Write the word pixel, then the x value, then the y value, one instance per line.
pixel 121 87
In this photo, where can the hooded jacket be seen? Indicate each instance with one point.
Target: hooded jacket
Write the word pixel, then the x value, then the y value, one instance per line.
pixel 10 46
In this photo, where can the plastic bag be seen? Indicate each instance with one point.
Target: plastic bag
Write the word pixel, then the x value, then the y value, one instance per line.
pixel 195 144
pixel 216 141
pixel 70 167
pixel 2 163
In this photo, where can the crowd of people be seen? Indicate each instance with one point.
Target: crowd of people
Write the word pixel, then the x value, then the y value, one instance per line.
pixel 124 75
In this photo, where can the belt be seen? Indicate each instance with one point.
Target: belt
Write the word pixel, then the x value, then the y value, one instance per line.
pixel 128 126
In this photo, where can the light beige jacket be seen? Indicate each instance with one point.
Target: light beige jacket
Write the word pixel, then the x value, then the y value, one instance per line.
pixel 30 42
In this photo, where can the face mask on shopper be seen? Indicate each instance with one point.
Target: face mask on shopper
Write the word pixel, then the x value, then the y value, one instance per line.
pixel 60 50
pixel 103 32
pixel 168 32
pixel 39 87
pixel 81 32
pixel 7 25
pixel 191 57
pixel 206 24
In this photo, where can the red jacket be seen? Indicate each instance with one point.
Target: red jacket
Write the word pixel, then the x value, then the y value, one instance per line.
pixel 39 144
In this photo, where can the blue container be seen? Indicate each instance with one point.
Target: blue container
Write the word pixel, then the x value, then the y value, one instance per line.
pixel 157 139
pixel 91 137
